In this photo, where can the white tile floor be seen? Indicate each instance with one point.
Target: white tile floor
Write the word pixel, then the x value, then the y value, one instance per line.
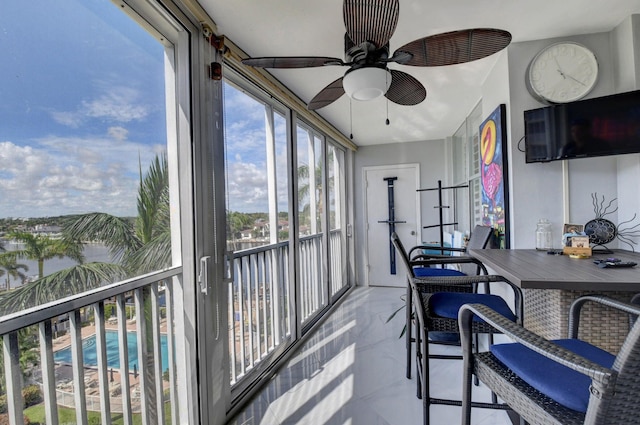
pixel 352 372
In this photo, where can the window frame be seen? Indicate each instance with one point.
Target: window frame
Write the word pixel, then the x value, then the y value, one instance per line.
pixel 239 79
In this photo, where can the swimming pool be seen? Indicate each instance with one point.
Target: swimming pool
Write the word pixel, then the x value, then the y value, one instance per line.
pixel 90 354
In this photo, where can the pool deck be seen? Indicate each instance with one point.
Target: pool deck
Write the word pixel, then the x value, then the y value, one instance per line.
pixel 64 373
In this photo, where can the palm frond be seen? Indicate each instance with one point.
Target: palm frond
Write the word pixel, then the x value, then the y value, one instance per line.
pixel 32 247
pixel 115 232
pixel 153 192
pixel 154 255
pixel 10 267
pixel 64 248
pixel 9 257
pixel 57 285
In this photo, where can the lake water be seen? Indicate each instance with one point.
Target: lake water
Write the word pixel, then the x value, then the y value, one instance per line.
pixel 92 253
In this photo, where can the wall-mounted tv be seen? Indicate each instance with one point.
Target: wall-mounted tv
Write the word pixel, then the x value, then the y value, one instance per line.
pixel 608 125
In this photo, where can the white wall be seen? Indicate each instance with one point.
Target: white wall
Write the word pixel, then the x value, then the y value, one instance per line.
pixel 626 48
pixel 562 190
pixel 431 157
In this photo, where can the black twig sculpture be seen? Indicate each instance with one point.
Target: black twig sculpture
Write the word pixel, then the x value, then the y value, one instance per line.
pixel 602 231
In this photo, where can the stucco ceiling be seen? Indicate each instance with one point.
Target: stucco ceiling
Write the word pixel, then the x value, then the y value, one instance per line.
pixel 316 28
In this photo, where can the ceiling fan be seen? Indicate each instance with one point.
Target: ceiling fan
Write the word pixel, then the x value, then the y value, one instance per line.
pixel 369 26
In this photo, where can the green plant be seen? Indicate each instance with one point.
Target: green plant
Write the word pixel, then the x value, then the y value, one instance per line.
pixel 31 395
pixel 4 420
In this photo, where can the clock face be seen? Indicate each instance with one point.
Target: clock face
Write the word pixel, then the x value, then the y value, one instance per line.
pixel 562 72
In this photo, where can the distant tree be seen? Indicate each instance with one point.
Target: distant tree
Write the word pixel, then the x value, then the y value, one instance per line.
pixel 136 247
pixel 305 176
pixel 12 269
pixel 41 248
pixel 236 223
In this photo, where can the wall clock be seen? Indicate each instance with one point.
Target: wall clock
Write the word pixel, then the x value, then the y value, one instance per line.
pixel 562 72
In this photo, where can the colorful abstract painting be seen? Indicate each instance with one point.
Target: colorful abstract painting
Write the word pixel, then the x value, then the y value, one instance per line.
pixel 493 171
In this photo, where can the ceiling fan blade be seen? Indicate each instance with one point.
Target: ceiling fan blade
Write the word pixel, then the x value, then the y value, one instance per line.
pixel 405 89
pixel 371 20
pixel 292 62
pixel 327 95
pixel 454 47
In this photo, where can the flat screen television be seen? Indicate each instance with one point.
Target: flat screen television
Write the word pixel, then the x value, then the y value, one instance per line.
pixel 608 125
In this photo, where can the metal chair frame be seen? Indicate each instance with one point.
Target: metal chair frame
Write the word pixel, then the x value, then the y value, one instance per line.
pixel 420 289
pixel 614 392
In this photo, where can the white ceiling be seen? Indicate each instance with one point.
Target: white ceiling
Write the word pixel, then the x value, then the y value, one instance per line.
pixel 316 28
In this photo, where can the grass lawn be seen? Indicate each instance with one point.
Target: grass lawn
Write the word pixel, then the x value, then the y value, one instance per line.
pixel 66 415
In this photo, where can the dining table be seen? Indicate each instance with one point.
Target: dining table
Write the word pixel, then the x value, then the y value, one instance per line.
pixel 550 281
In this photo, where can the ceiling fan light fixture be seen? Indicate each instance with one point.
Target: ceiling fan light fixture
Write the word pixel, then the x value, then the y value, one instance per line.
pixel 366 83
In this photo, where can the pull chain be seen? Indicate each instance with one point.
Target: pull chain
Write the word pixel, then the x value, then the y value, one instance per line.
pixel 387 121
pixel 350 119
pixel 387 101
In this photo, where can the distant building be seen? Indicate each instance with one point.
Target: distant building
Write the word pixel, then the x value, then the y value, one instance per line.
pixel 50 231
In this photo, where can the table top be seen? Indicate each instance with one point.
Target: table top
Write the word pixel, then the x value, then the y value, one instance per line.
pixel 532 269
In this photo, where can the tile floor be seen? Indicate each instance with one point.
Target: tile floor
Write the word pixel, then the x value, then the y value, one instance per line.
pixel 352 372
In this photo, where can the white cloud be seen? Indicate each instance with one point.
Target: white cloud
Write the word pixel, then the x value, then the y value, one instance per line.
pixel 116 104
pixel 120 104
pixel 118 133
pixel 247 188
pixel 60 176
pixel 70 119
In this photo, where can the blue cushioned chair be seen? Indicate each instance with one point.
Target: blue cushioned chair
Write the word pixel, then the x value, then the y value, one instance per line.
pixel 566 381
pixel 421 258
pixel 437 299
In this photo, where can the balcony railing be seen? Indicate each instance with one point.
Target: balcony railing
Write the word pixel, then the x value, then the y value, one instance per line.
pixel 259 296
pixel 110 351
pixel 258 305
pixel 104 352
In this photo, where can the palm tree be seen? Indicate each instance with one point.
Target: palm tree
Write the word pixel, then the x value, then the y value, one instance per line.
pixel 144 245
pixel 304 186
pixel 41 248
pixel 12 269
pixel 136 246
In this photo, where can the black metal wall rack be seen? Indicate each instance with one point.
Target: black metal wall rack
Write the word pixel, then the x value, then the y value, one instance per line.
pixel 440 208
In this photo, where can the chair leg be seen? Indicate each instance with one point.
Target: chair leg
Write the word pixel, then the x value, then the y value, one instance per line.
pixel 494 397
pixel 419 370
pixel 467 374
pixel 426 394
pixel 408 329
pixel 476 350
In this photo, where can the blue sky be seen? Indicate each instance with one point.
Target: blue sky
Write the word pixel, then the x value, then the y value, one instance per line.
pixel 82 99
pixel 247 189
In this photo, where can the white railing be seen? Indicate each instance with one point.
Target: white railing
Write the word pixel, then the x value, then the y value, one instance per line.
pixel 260 319
pixel 312 295
pixel 258 305
pixel 72 370
pixel 259 296
pixel 337 262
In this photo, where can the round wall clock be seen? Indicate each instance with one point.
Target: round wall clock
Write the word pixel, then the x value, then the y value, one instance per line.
pixel 562 72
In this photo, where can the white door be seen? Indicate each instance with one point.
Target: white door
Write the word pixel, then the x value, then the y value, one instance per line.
pixel 405 179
